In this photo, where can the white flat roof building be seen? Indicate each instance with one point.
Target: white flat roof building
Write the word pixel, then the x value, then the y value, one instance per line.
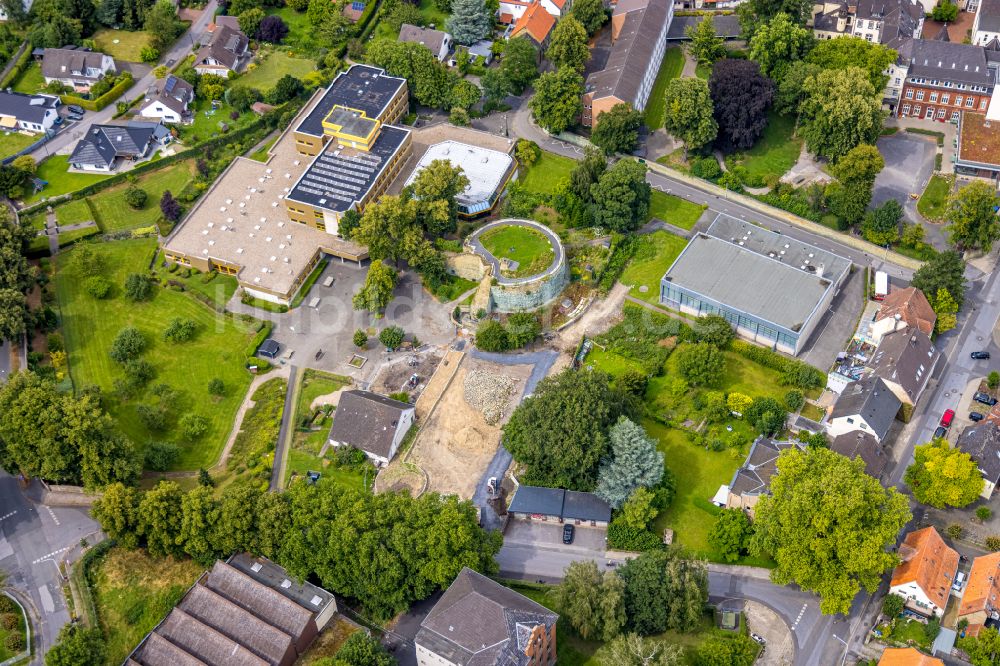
pixel 487 170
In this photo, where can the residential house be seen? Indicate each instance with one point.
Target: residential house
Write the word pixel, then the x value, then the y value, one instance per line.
pixel 907 657
pixel 437 41
pixel 511 10
pixel 372 423
pixel 247 611
pixel 902 308
pixel 167 100
pixel 945 79
pixel 904 360
pixel 861 444
pixel 887 22
pixel 753 480
pixel 980 600
pixel 982 442
pixel 925 575
pixel 483 49
pixel 353 11
pixel 226 51
pixel 76 67
pixel 986 25
pixel 638 40
pixel 535 23
pixel 31 113
pixel 560 506
pixel 479 622
pixel 105 147
pixel 868 405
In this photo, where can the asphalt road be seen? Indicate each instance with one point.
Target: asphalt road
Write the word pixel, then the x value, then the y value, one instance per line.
pixel 4 360
pixel 32 540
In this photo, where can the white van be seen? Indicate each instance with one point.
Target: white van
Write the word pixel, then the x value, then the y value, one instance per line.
pixel 959 581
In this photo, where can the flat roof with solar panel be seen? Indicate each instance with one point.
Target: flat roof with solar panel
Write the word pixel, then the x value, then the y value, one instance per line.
pixel 341 176
pixel 362 87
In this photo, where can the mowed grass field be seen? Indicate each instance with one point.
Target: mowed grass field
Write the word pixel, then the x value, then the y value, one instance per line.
pixel 60 181
pixel 129 44
pixel 276 65
pixel 659 250
pixel 775 152
pixel 90 325
pixel 674 210
pixel 113 214
pixel 670 68
pixel 545 174
pixel 934 200
pixel 530 249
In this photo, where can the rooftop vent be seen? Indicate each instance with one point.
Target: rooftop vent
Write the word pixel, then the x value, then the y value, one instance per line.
pixel 316 600
pixel 255 567
pixel 285 584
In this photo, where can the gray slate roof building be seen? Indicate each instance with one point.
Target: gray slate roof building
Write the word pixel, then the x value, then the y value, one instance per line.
pixel 950 61
pixel 479 622
pixel 989 15
pixel 74 63
pixel 103 144
pixel 906 359
pixel 432 39
pixel 754 477
pixel 900 19
pixel 982 442
pixel 228 44
pixel 28 108
pixel 727 26
pixel 173 92
pixel 859 444
pixel 567 505
pixel 872 400
pixel 367 421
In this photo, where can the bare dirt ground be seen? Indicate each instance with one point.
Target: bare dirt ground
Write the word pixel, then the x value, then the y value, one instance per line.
pixel 394 376
pixel 599 317
pixel 456 443
pixel 762 620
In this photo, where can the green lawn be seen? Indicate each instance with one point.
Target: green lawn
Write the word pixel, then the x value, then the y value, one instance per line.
pixel 73 212
pixel 133 592
pixel 431 16
pixel 300 31
pixel 60 181
pixel 215 286
pixel 121 44
pixel 14 142
pixel 31 80
pixel 451 288
pixel 703 71
pixel 207 121
pixel 529 248
pixel 114 214
pixel 308 284
pixel 316 383
pixel 611 363
pixel 35 221
pixel 651 261
pixel 68 237
pixel 261 153
pixel 89 326
pixel 674 210
pixel 670 68
pixel 544 175
pixel 813 412
pixel 276 65
pixel 774 153
pixel 5 653
pixel 934 201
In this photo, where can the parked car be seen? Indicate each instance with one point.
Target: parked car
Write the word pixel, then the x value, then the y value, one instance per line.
pixel 959 581
pixel 568 531
pixel 758 638
pixel 73 108
pixel 940 432
pixel 947 418
pixel 57 121
pixel 976 417
pixel 980 355
pixel 984 398
pixel 74 116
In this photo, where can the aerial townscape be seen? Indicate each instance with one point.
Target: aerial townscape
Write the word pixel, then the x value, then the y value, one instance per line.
pixel 499 332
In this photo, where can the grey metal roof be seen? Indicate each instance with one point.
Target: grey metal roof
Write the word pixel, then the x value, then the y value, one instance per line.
pixel 102 144
pixel 585 506
pixel 367 421
pixel 29 108
pixel 726 26
pixel 871 399
pixel 631 53
pixel 227 45
pixel 860 444
pixel 71 63
pixel 266 572
pixel 748 268
pixel 361 87
pixel 173 92
pixel 905 357
pixel 982 442
pixel 950 61
pixel 432 39
pixel 900 18
pixel 754 476
pixel 534 499
pixel 989 15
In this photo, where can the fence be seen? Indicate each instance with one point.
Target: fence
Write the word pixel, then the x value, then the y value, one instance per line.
pixel 24 654
pixel 48 136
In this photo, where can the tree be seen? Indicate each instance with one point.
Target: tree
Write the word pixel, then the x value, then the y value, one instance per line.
pixel 664 591
pixel 741 96
pixel 160 518
pixel 496 84
pixel 286 88
pixel 470 21
pixel 730 536
pixel 856 171
pixel 706 46
pixel 561 434
pixel 841 109
pixel 250 21
pixel 872 57
pixel 117 510
pixel 361 649
pixel 892 605
pixel 636 650
pixel 767 415
pixel 972 214
pixel 520 63
pixel 778 43
pixel 55 32
pixel 944 270
pixel 983 648
pixel 180 330
pixel 272 29
pixel 586 173
pixel 827 525
pixel 881 226
pixel 241 98
pixel 689 113
pixel 128 344
pixel 992 379
pixel 464 94
pixel 491 336
pixel 945 12
pixel 592 601
pixel 440 181
pixel 389 229
pixel 170 207
pixel 199 513
pixel 621 196
pixel 360 339
pixel 634 462
pixel 617 130
pixel 376 293
pixel 568 44
pixel 77 646
pixel 162 24
pixel 193 426
pixel 738 650
pixel 713 329
pixel 137 287
pixel 639 510
pixel 556 102
pixel 135 197
pixel 391 337
pixel 590 13
pixel 216 387
pixel 946 309
pixel 942 476
pixel 700 364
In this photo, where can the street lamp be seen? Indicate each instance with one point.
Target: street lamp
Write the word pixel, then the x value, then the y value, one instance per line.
pixel 844 659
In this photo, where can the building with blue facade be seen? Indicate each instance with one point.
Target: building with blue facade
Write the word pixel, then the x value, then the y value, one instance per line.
pixel 773 289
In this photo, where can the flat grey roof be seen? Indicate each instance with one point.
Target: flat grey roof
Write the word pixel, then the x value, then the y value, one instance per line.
pixel 361 87
pixel 762 273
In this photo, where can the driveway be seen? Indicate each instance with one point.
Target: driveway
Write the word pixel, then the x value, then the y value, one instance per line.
pixel 838 323
pixel 909 163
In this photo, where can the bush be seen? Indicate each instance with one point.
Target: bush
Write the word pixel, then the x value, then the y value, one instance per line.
pixel 152 418
pixel 9 621
pixel 993 543
pixel 955 531
pixel 149 54
pixel 135 197
pixel 194 426
pixel 391 337
pixel 127 345
pixel 137 287
pixel 793 373
pixel 179 330
pixel 216 387
pixel 706 167
pixel 794 400
pixel 623 537
pixel 491 336
pixel 993 379
pixel 14 642
pixel 360 339
pixel 7 605
pixel 892 605
pixel 522 328
pixel 160 456
pixel 633 381
pixel 98 287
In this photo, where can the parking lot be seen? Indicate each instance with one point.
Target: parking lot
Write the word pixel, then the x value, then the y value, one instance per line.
pixel 534 549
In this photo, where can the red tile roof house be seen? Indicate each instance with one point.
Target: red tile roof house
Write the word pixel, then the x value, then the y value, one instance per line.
pixel 902 308
pixel 536 24
pixel 925 575
pixel 981 599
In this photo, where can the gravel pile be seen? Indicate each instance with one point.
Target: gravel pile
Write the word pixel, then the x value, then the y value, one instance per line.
pixel 488 392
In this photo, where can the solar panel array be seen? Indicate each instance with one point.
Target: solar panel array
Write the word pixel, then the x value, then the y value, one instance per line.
pixel 339 177
pixel 168 87
pixel 357 6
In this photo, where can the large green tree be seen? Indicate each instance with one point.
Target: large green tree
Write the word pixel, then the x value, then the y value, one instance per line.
pixel 706 46
pixel 362 649
pixel 881 226
pixel 872 57
pixel 841 109
pixel 590 13
pixel 561 434
pixel 738 650
pixel 634 462
pixel 376 292
pixel 730 535
pixel 431 83
pixel 160 518
pixel 568 45
pixel 77 646
pixel 983 649
pixel 520 63
pixel 117 510
pixel 778 43
pixel 617 130
pixel 470 21
pixel 701 364
pixel 664 591
pixel 636 650
pixel 439 182
pixel 945 270
pixel 856 172
pixel 973 218
pixel 689 112
pixel 621 196
pixel 592 601
pixel 943 476
pixel 828 526
pixel 557 99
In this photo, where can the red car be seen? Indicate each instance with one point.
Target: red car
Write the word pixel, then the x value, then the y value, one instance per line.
pixel 947 418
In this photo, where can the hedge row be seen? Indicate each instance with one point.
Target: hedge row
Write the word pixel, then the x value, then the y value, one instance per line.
pixel 622 251
pixel 103 100
pixel 22 64
pixel 262 334
pixel 793 372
